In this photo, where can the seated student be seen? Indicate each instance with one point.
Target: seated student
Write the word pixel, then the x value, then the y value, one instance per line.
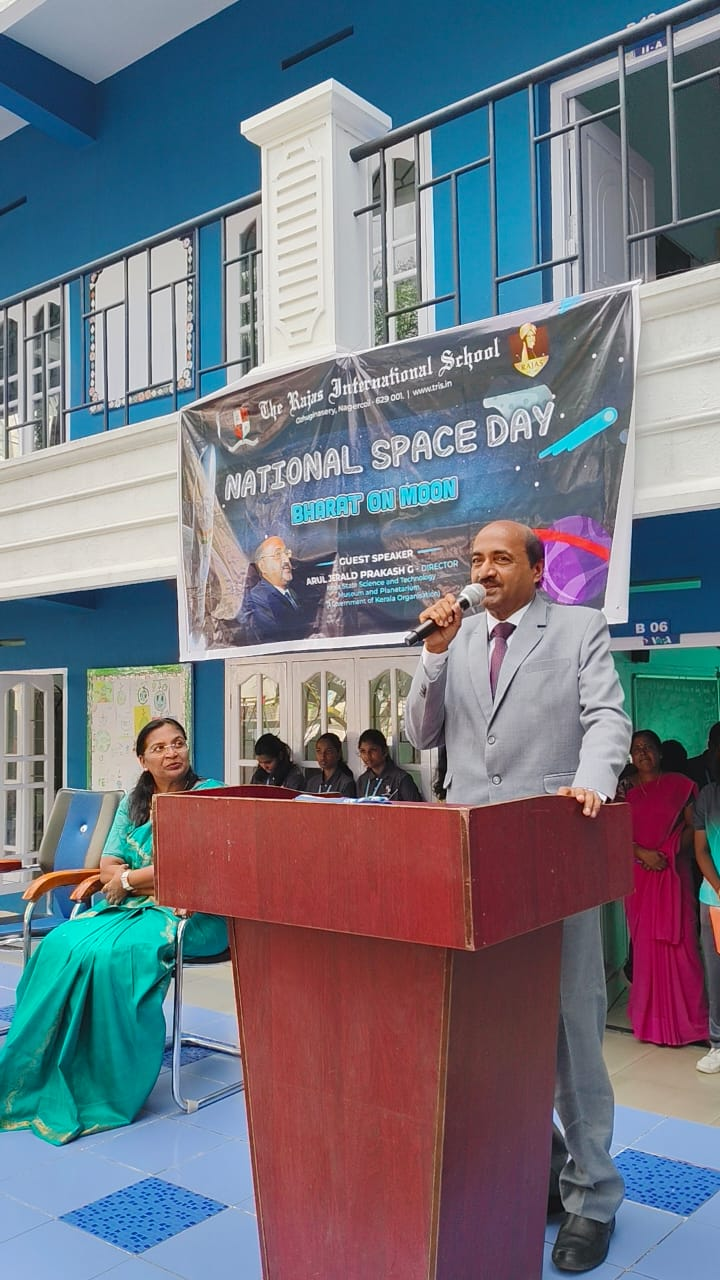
pixel 382 777
pixel 86 1043
pixel 275 766
pixel 335 776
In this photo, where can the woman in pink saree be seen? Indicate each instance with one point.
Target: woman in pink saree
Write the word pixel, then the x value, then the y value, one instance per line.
pixel 667 999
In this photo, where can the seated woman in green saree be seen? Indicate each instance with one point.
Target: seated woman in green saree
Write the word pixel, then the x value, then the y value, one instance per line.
pixel 86 1043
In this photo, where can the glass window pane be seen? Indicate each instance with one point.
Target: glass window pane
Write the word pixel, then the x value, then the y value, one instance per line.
pixel 38 818
pixel 248 717
pixel 337 705
pixel 12 702
pixel 405 753
pixel 11 771
pixel 381 704
pixel 10 819
pixel 311 712
pixel 38 770
pixel 270 705
pixel 38 724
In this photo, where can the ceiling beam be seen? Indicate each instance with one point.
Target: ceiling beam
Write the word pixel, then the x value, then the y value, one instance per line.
pixel 44 94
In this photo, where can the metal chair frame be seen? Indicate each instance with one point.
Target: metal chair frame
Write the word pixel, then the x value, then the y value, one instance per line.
pixel 178 1038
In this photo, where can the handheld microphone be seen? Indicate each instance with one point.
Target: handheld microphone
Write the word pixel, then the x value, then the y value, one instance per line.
pixel 471 597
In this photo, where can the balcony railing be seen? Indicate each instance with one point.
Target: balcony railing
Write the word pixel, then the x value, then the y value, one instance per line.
pixel 586 171
pixel 132 335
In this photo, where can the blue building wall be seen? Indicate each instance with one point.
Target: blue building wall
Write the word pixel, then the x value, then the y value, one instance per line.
pixel 128 626
pixel 168 146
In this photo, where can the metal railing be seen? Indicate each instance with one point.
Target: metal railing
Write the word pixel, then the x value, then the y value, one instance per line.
pixel 130 335
pixel 505 223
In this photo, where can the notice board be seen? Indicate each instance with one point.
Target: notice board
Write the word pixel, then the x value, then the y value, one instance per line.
pixel 681 707
pixel 121 700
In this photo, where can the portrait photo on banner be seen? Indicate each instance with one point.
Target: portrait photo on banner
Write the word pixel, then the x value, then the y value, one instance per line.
pixel 327 506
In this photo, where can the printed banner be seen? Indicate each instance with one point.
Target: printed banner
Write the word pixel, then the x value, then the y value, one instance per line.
pixel 325 507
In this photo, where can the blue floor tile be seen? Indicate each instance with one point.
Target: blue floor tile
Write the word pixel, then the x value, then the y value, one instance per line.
pixel 638 1230
pixel 72 1179
pixel 137 1269
pixel 224 1174
pixel 161 1101
pixel 631 1125
pixel 228 1116
pixel 690 1253
pixel 218 1067
pixel 20 1149
pixel 158 1144
pixel 16 1218
pixel 671 1185
pixel 188 1053
pixel 143 1215
pixel 684 1140
pixel 56 1251
pixel 709 1213
pixel 231 1238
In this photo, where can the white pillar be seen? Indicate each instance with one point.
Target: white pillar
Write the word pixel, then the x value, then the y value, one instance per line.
pixel 316 255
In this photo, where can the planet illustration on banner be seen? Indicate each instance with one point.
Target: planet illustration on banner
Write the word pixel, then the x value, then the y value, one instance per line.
pixel 577 551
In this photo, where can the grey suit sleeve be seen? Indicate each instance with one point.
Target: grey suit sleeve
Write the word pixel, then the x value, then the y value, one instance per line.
pixel 606 728
pixel 425 708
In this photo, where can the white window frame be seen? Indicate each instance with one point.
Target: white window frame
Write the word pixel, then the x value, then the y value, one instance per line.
pixel 426 282
pixel 23 786
pixel 562 94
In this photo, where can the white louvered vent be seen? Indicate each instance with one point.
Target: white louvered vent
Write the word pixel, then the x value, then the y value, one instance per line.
pixel 299 231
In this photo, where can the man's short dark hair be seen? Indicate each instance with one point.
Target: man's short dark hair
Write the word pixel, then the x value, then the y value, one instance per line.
pixel 714 737
pixel 535 549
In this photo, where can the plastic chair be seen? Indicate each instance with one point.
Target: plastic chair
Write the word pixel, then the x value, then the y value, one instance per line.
pixel 73 841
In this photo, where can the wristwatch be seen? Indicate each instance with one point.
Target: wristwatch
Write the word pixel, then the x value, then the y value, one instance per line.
pixel 124 880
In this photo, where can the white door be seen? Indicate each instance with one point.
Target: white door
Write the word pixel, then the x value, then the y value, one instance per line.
pixel 325 701
pixel 256 703
pixel 383 686
pixel 27 776
pixel 603 211
pixel 300 698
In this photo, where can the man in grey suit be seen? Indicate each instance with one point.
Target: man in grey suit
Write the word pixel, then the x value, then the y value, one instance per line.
pixel 536 706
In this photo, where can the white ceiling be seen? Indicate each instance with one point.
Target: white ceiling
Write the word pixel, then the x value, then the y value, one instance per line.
pixel 96 38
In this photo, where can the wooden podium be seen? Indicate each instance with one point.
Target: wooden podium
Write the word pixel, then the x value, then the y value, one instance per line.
pixel 396 973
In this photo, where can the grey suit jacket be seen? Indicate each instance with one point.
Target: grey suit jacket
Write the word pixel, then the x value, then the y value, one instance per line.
pixel 557 719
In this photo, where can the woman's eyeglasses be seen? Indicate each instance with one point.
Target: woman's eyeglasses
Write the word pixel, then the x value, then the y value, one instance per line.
pixel 162 748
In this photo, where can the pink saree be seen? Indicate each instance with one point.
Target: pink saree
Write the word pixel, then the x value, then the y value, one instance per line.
pixel 667 1002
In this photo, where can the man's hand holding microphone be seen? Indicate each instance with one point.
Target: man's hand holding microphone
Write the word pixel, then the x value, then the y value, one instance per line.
pixel 441 621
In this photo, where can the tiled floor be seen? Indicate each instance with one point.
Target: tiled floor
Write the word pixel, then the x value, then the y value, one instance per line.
pixel 171 1196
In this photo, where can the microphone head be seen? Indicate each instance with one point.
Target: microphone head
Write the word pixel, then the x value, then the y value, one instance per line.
pixel 472 596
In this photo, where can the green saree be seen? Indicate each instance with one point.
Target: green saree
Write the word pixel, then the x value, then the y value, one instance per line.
pixel 86 1043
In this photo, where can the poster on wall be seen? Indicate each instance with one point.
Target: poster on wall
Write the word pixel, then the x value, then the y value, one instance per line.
pixel 121 700
pixel 326 506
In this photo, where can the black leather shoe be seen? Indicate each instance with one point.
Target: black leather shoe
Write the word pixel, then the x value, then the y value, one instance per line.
pixel 554 1203
pixel 582 1243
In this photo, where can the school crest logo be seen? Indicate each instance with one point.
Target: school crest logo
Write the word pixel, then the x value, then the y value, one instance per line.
pixel 529 349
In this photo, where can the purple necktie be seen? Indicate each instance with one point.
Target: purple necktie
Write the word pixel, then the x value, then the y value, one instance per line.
pixel 500 635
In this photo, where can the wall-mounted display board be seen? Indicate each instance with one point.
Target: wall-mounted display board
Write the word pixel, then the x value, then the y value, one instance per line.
pixel 681 707
pixel 120 701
